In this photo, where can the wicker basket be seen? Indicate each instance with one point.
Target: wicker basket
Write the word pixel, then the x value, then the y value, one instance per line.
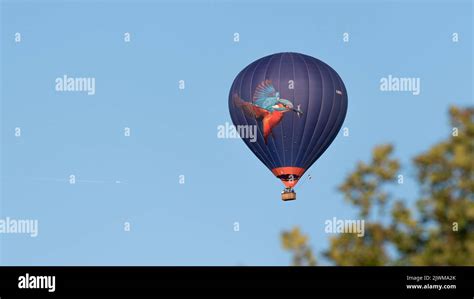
pixel 285 196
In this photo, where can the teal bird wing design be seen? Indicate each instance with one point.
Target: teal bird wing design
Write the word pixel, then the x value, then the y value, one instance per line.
pixel 265 95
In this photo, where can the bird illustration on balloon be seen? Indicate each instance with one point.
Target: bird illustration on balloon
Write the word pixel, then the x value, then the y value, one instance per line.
pixel 267 106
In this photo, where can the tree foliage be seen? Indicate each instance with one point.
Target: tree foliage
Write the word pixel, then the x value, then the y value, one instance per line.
pixel 297 243
pixel 438 231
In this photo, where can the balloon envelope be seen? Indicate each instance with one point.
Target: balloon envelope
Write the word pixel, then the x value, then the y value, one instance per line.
pixel 297 104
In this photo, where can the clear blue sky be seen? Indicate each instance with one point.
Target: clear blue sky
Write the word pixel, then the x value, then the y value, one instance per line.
pixel 174 131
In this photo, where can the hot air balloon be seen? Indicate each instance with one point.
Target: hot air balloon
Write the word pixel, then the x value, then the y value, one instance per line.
pixel 298 105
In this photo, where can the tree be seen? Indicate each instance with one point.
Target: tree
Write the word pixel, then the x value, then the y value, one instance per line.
pixel 439 231
pixel 296 242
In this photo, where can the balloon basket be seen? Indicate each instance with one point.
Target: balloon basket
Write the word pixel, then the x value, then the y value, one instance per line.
pixel 288 195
